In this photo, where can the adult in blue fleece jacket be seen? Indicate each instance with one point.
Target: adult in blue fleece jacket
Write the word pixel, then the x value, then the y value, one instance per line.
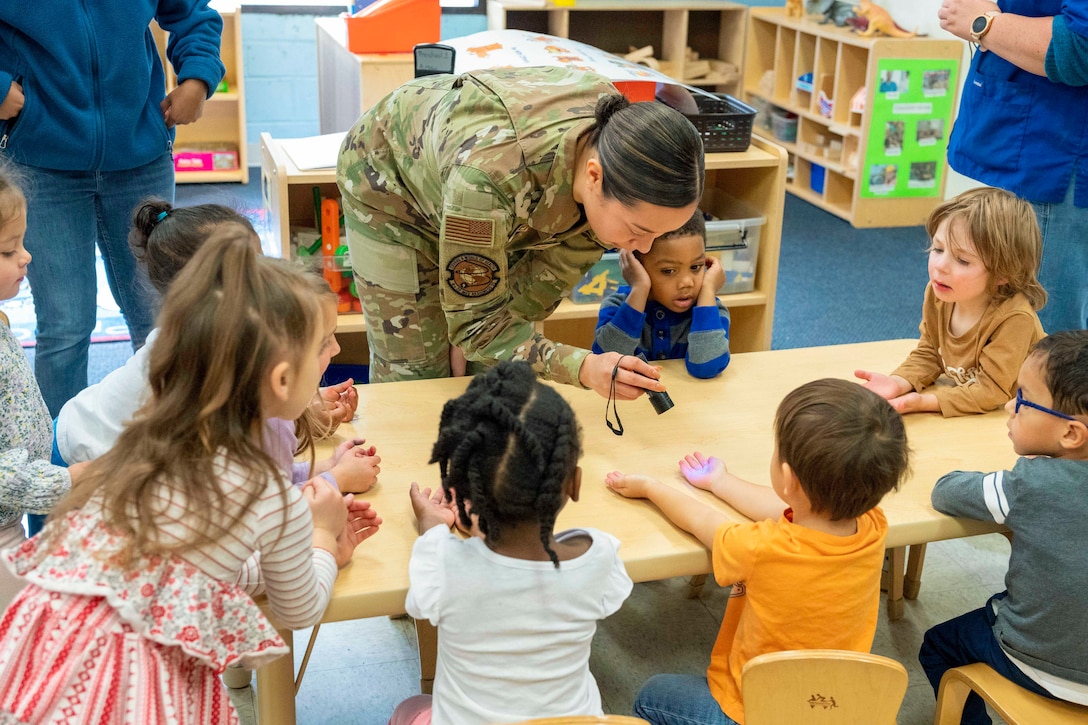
pixel 85 120
pixel 1023 126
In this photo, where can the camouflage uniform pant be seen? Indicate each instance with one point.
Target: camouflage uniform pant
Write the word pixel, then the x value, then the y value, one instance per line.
pixel 406 331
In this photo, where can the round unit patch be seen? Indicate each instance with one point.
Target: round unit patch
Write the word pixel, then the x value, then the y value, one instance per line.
pixel 472 275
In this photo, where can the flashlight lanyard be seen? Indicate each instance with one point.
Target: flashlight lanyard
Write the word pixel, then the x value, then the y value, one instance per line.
pixel 611 402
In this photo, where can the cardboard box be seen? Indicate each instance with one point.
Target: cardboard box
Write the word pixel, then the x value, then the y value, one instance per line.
pixel 205 158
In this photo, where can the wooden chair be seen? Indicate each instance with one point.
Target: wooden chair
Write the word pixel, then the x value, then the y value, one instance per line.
pixel 586 720
pixel 826 686
pixel 1013 703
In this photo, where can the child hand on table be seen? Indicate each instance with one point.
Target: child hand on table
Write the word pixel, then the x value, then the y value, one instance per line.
pixel 354 468
pixel 336 404
pixel 362 523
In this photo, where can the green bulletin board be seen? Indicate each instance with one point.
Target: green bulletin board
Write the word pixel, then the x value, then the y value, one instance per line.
pixel 908 128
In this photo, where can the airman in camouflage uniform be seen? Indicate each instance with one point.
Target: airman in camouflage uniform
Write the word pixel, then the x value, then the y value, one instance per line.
pixel 461 221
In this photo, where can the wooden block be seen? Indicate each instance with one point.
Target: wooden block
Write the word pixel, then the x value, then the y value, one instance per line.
pixel 639 54
pixel 696 69
pixel 722 67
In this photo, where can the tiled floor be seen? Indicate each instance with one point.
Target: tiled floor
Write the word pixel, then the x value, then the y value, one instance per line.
pixel 360 670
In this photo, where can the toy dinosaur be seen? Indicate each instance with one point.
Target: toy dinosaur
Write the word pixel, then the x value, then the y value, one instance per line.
pixel 880 21
pixel 834 11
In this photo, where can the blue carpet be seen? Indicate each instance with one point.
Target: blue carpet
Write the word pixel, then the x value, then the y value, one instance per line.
pixel 838 284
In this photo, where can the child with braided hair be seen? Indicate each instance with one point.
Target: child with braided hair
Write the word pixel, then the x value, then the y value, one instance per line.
pixel 517 606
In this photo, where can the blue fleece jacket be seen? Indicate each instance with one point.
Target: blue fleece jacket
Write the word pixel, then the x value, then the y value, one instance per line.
pixel 93 79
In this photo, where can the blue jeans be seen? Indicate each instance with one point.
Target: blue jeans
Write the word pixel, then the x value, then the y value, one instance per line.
pixel 967 639
pixel 679 700
pixel 68 213
pixel 1064 271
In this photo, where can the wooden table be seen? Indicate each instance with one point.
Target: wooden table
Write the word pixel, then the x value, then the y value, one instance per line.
pixel 731 417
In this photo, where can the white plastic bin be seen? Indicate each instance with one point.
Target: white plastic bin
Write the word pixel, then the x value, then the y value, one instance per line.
pixel 733 237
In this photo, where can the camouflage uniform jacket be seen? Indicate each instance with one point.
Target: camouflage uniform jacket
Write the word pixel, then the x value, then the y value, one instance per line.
pixel 475 172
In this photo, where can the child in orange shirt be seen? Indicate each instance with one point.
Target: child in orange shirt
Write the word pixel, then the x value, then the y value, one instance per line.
pixel 806 571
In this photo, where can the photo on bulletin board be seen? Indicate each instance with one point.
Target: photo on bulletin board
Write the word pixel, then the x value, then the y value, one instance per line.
pixel 935 82
pixel 923 175
pixel 894 83
pixel 907 138
pixel 893 138
pixel 929 131
pixel 883 176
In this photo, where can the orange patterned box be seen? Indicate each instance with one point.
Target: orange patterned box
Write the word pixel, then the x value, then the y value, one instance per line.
pixel 394 26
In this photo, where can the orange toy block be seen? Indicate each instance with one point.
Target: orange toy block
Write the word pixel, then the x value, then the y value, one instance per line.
pixel 330 240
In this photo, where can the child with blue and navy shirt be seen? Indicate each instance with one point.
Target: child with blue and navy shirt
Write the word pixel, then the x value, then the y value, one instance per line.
pixel 669 308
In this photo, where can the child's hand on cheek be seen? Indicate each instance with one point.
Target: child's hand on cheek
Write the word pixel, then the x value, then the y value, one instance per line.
pixel 633 272
pixel 628 486
pixel 713 279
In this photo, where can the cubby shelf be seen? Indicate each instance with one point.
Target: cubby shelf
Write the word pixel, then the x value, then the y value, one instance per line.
pixel 712 28
pixel 224 118
pixel 842 63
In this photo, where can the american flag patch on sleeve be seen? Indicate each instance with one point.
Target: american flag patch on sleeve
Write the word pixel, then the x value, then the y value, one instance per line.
pixel 467 230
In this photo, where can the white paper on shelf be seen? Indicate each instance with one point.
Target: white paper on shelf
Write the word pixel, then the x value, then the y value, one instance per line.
pixel 313 152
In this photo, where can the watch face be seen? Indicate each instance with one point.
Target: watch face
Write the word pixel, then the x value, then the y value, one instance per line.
pixel 979 24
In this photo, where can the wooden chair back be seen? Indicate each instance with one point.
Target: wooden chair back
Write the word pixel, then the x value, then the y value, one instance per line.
pixel 825 686
pixel 1013 703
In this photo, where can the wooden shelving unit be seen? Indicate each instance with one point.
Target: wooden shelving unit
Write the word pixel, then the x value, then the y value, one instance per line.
pixel 841 63
pixel 713 28
pixel 224 118
pixel 756 177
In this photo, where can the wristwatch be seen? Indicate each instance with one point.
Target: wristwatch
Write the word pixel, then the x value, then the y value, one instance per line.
pixel 981 25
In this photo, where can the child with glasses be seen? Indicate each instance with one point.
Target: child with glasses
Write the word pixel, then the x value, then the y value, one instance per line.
pixel 1034 633
pixel 979 315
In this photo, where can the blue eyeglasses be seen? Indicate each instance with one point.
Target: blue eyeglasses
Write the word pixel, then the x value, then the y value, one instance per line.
pixel 1020 400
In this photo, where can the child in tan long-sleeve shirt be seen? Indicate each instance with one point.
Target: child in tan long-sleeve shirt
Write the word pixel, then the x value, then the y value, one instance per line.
pixel 979 315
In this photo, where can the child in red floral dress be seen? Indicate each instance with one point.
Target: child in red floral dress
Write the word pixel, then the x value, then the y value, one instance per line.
pixel 130 610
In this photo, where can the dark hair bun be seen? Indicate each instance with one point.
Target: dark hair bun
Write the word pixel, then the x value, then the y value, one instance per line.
pixel 607 106
pixel 144 219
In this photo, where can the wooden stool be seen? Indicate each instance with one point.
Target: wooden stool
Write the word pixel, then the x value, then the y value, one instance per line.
pixel 1013 703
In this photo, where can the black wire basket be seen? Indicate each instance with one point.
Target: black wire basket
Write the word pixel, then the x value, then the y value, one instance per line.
pixel 724 122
